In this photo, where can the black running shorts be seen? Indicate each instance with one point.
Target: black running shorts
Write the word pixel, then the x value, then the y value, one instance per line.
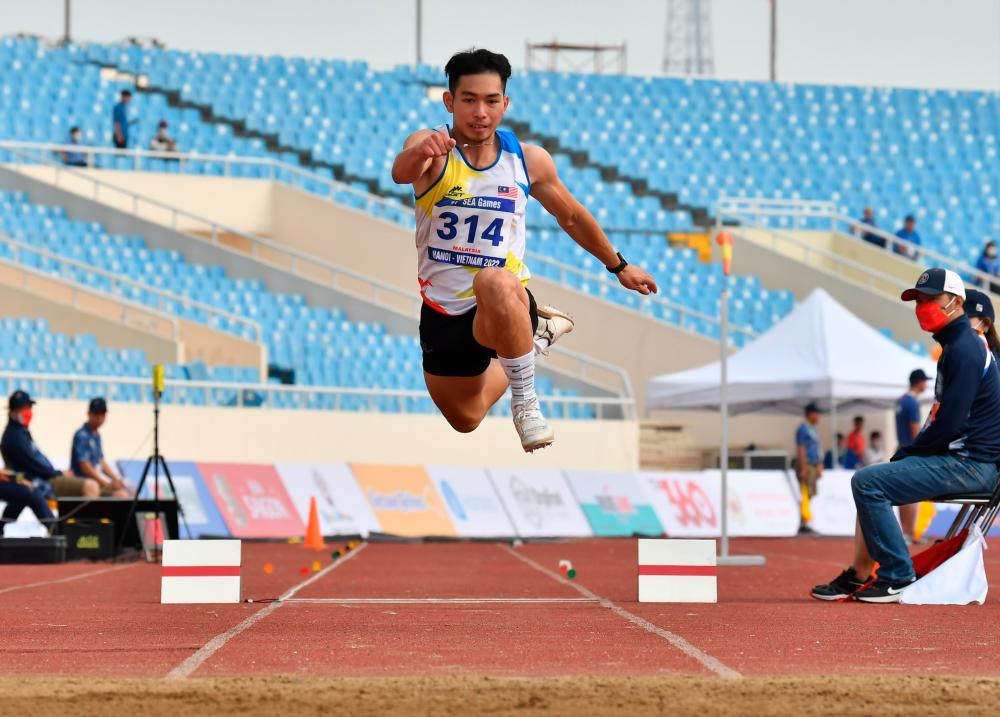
pixel 449 347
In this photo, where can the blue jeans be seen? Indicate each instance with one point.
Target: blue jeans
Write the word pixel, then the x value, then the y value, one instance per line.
pixel 18 497
pixel 878 488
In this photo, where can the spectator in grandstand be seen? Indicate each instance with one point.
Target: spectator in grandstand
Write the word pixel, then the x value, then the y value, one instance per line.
pixel 875 452
pixel 69 157
pixel 87 462
pixel 21 455
pixel 856 440
pixel 957 451
pixel 808 466
pixel 120 120
pixel 162 141
pixel 18 493
pixel 988 263
pixel 868 219
pixel 907 428
pixel 909 234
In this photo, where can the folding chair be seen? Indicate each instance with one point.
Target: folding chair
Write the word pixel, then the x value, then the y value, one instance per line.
pixel 976 507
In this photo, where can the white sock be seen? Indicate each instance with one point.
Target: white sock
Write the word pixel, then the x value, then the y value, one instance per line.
pixel 541 345
pixel 521 376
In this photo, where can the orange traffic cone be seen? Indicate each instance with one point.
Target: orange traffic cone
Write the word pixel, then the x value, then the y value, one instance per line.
pixel 314 539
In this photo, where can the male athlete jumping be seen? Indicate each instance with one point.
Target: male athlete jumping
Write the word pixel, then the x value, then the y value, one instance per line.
pixel 471 182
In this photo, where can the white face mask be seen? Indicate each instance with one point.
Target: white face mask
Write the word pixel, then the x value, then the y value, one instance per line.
pixel 977 326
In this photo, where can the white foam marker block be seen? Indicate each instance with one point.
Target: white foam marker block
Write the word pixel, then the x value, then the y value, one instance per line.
pixel 200 571
pixel 677 571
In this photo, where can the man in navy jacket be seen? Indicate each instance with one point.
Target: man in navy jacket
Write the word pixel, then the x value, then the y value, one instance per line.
pixel 21 454
pixel 957 451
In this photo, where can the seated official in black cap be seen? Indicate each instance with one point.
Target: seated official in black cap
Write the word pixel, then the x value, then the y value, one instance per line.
pixel 979 309
pixel 87 462
pixel 957 450
pixel 20 453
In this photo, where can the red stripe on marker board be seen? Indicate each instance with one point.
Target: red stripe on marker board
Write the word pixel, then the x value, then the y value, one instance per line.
pixel 201 571
pixel 679 570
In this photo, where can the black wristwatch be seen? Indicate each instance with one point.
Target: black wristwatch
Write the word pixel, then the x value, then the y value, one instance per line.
pixel 621 265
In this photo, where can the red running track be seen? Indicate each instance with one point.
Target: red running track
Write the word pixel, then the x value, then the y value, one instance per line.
pixel 105 620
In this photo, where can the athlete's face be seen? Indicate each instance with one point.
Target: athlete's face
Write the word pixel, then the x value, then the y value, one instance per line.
pixel 478 105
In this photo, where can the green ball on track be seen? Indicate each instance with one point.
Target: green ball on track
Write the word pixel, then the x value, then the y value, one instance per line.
pixel 335 554
pixel 571 573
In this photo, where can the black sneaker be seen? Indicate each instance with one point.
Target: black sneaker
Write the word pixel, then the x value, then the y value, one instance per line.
pixel 882 591
pixel 843 586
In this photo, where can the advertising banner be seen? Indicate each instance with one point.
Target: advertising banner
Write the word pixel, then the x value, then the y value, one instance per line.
pixel 403 499
pixel 252 500
pixel 472 502
pixel 539 502
pixel 614 503
pixel 832 507
pixel 342 508
pixel 688 503
pixel 200 513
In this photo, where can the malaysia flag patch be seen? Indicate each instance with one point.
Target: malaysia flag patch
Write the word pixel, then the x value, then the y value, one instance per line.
pixel 508 192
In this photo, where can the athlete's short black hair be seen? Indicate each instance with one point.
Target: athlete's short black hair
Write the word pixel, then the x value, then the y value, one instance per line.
pixel 476 62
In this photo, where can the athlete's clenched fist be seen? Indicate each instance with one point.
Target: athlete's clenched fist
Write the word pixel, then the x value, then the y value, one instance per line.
pixel 436 144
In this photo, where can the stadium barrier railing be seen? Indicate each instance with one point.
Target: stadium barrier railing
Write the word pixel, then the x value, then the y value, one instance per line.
pixel 245 395
pixel 162 298
pixel 306 266
pixel 754 211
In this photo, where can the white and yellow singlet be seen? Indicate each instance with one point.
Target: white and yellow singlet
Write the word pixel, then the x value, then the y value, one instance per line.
pixel 471 219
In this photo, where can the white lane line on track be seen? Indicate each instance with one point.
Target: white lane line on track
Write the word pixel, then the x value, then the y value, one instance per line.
pixel 69 579
pixel 711 663
pixel 442 601
pixel 196 660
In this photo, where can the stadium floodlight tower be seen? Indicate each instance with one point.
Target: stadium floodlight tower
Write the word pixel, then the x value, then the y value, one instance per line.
pixel 687 44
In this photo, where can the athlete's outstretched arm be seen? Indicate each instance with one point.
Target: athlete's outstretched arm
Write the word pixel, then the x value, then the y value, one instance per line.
pixel 419 151
pixel 575 220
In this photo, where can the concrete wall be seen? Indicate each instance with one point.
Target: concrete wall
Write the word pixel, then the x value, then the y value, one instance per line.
pixel 243 204
pixel 273 435
pixel 50 298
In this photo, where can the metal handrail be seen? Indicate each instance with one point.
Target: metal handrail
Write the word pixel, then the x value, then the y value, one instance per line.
pixel 185 159
pixel 257 243
pixel 161 295
pixel 15 146
pixel 77 289
pixel 809 249
pixel 191 157
pixel 244 392
pixel 566 269
pixel 377 286
pixel 752 208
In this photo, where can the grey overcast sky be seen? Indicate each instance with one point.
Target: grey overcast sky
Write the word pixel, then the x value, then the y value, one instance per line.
pixel 913 43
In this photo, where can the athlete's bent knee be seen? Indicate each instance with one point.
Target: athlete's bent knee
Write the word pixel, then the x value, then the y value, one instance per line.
pixel 464 424
pixel 493 286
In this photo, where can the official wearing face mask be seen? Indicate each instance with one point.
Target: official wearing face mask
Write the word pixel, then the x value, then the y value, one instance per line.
pixel 957 450
pixel 20 453
pixel 979 309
